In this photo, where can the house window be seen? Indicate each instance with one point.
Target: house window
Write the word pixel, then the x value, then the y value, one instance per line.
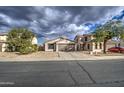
pixel 82 46
pixel 100 45
pixel 119 45
pixel 88 46
pixel 50 46
pixel 82 39
pixel 96 46
pixel 85 38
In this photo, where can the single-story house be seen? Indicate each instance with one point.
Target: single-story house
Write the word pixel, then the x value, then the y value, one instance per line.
pixel 59 44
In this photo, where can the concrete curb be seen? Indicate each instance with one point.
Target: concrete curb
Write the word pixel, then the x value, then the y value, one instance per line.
pixel 62 59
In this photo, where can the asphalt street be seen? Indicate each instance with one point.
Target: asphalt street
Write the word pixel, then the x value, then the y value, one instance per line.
pixel 97 73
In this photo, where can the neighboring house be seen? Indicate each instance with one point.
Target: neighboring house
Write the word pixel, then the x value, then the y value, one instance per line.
pixel 86 43
pixel 3 43
pixel 121 43
pixel 113 43
pixel 59 44
pixel 34 40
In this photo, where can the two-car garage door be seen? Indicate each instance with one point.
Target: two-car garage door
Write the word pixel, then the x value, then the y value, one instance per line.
pixel 66 47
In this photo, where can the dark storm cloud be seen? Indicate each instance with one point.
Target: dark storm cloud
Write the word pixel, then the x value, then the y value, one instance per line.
pixel 16 12
pixel 87 13
pixel 50 22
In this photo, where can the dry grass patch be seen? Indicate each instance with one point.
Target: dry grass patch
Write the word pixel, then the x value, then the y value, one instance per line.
pixel 41 54
pixel 8 54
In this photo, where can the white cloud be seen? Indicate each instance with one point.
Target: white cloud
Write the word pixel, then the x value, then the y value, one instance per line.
pixel 74 27
pixel 77 18
pixel 4 18
pixel 51 32
pixel 66 16
pixel 51 14
pixel 44 22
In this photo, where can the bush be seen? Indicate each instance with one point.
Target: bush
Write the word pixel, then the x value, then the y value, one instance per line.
pixel 20 40
pixel 35 48
pixel 25 50
pixel 28 49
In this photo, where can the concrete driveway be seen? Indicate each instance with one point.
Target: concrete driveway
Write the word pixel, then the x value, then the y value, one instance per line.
pixel 72 55
pixel 63 73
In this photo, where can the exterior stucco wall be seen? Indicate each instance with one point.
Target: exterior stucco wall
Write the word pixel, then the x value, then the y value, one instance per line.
pixel 3 47
pixel 46 47
pixel 64 41
pixel 3 38
pixel 59 44
pixel 98 47
pixel 122 43
pixel 34 40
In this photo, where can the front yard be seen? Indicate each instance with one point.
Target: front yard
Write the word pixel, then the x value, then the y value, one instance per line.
pixel 41 56
pixel 36 54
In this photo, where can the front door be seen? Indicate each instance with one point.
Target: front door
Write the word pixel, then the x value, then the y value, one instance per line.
pixel 82 47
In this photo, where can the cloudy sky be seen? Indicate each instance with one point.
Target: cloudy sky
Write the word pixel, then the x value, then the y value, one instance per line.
pixel 51 22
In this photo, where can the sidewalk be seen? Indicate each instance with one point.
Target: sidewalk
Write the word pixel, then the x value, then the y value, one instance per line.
pixel 56 56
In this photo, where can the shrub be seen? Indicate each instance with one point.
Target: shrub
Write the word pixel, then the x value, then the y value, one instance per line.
pixel 35 48
pixel 28 49
pixel 20 40
pixel 25 50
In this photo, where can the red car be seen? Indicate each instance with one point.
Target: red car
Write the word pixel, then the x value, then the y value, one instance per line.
pixel 116 49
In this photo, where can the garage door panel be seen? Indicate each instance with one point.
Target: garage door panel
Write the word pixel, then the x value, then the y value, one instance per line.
pixel 66 47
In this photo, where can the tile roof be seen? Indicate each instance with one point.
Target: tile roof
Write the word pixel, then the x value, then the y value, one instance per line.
pixel 2 34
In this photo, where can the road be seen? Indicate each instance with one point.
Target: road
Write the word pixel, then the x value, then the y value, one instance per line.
pixel 97 73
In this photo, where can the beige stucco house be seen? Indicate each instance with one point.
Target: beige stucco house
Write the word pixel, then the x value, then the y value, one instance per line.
pixel 34 40
pixel 3 41
pixel 59 44
pixel 86 43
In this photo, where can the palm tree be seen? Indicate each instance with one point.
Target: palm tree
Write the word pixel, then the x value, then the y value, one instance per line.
pixel 108 31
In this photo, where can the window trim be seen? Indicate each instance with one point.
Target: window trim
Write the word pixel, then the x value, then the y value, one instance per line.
pixel 50 46
pixel 86 38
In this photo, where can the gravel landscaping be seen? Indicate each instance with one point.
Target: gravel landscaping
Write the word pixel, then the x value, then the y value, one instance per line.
pixel 41 56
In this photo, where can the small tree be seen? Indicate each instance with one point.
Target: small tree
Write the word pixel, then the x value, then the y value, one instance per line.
pixel 20 40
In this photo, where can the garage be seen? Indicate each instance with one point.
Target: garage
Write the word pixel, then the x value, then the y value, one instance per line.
pixel 59 44
pixel 66 47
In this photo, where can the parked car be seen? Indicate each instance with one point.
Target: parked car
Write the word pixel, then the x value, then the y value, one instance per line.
pixel 116 49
